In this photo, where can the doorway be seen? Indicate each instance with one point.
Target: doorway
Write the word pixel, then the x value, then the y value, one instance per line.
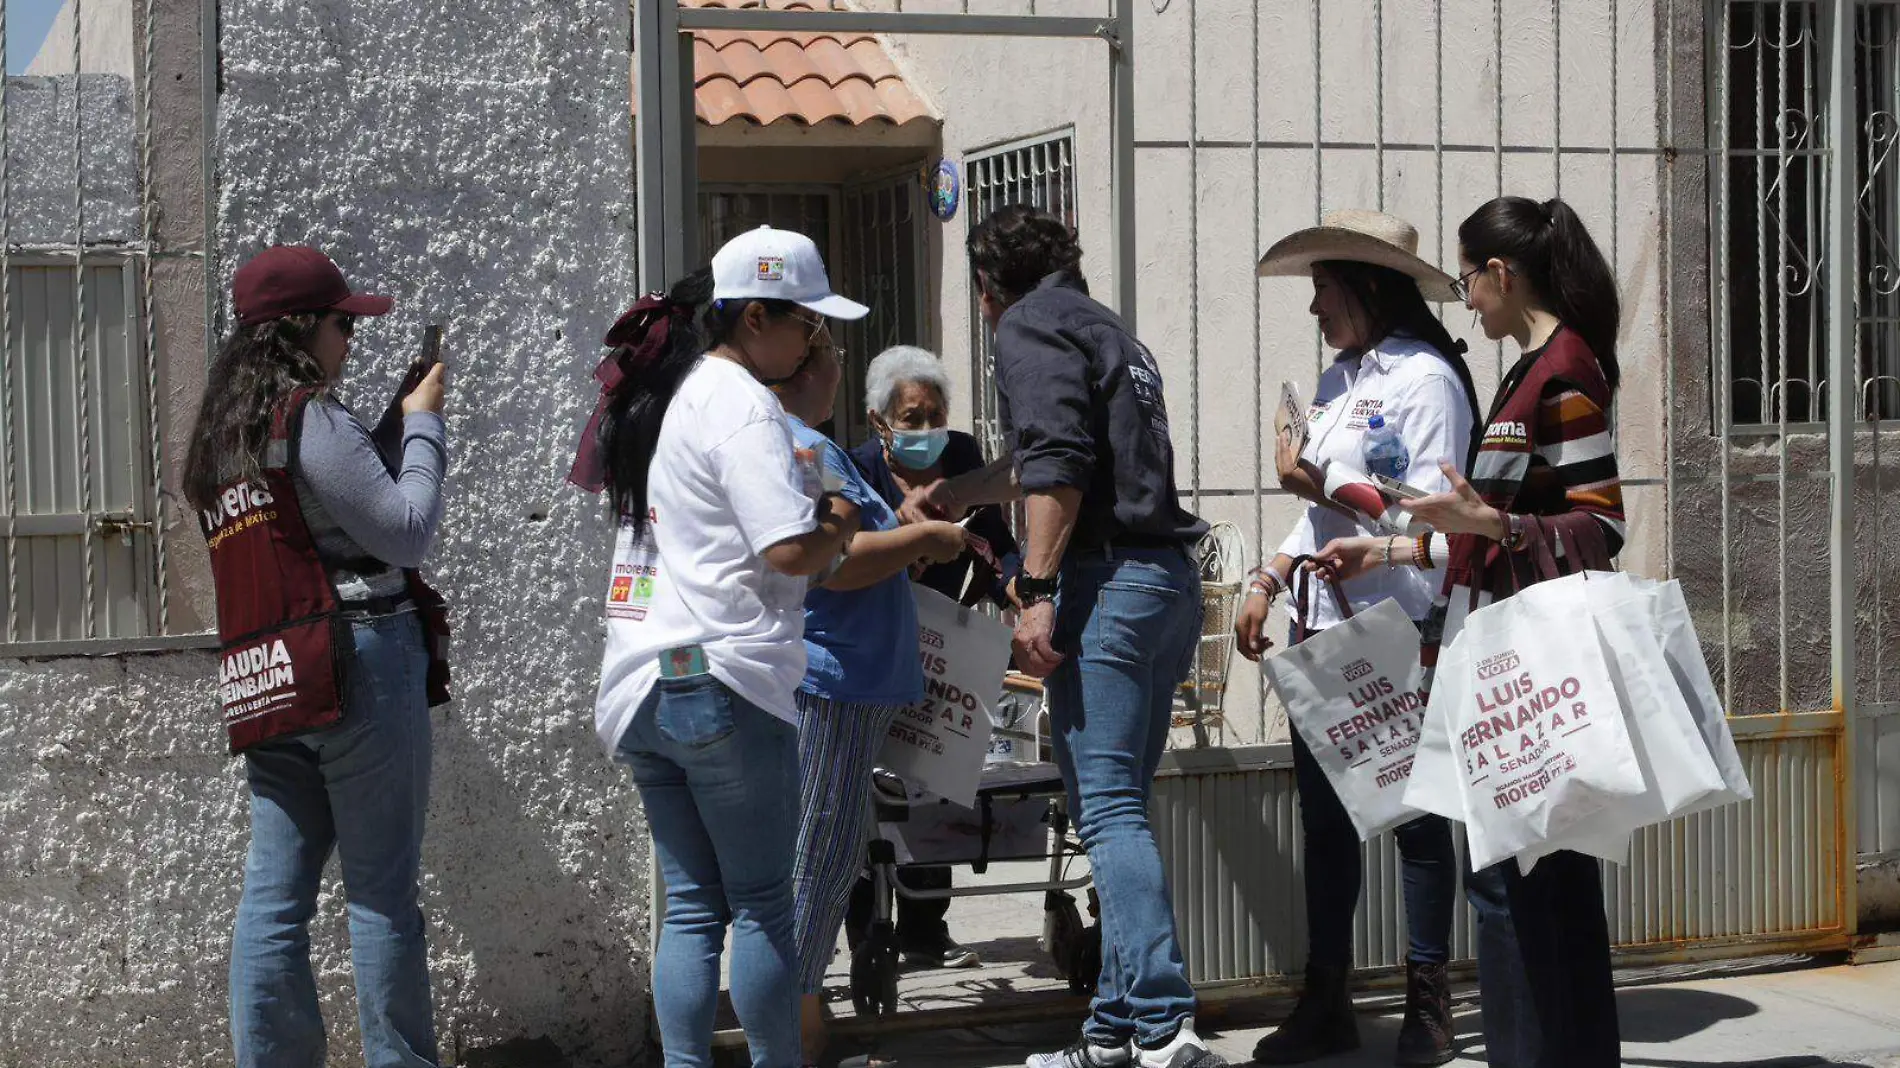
pixel 871 235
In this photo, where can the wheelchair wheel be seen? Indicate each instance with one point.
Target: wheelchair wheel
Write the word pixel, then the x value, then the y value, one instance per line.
pixel 1083 968
pixel 874 968
pixel 1061 926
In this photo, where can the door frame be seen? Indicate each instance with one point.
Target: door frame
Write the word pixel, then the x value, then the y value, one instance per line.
pixel 666 135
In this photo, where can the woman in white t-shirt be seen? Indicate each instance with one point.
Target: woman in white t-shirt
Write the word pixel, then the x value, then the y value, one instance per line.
pixel 1396 363
pixel 720 530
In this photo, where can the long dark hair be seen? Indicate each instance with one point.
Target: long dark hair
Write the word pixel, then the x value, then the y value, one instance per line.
pixel 637 407
pixel 1549 247
pixel 257 367
pixel 1392 303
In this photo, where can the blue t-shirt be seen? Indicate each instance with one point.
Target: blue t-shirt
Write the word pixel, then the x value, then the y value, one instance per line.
pixel 860 645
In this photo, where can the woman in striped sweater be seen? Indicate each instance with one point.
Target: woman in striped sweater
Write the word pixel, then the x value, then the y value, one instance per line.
pixel 1533 274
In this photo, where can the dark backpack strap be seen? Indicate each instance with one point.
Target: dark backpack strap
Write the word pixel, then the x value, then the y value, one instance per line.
pixel 285 424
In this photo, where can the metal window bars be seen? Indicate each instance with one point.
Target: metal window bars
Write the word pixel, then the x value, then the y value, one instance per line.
pixel 883 258
pixel 1038 171
pixel 85 555
pixel 1771 80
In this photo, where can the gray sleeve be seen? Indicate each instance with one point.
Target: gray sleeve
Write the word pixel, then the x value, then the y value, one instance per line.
pixel 1046 378
pixel 395 519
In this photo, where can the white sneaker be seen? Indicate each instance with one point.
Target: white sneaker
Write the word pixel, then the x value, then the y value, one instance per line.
pixel 1184 1050
pixel 1085 1054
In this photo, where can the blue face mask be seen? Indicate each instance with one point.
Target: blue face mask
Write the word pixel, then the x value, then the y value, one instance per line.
pixel 918 449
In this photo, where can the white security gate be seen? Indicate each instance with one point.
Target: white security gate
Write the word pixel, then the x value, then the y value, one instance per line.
pixel 87 560
pixel 78 502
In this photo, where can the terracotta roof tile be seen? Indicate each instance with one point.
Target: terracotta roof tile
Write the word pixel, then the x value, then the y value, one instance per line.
pixel 807 78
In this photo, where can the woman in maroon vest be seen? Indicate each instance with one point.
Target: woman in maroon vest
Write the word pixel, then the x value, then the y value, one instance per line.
pixel 1533 274
pixel 314 531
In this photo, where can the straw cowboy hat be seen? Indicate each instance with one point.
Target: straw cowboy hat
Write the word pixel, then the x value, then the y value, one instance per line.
pixel 1362 237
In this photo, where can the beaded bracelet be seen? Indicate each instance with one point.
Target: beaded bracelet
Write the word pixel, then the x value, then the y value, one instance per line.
pixel 1422 552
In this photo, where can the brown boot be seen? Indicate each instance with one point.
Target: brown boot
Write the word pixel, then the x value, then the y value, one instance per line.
pixel 1321 1025
pixel 1425 1039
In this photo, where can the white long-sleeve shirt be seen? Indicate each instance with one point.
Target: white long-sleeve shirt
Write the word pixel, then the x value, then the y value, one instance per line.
pixel 1417 391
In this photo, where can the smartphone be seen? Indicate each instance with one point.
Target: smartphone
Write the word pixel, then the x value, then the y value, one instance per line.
pixel 431 347
pixel 1395 488
pixel 420 367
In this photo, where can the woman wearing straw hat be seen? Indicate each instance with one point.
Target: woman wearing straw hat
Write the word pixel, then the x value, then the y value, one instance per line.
pixel 1397 367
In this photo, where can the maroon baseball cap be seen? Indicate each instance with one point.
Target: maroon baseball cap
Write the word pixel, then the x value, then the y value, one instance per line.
pixel 293 280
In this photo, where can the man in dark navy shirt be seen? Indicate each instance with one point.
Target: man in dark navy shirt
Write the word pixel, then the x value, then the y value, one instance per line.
pixel 1110 602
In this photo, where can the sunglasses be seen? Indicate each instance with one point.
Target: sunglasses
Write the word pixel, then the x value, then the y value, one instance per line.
pixel 345 324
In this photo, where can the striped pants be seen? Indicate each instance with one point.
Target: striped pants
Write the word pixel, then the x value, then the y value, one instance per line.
pixel 837 745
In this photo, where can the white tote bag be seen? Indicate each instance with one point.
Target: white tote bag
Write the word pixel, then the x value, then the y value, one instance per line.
pixel 938 745
pixel 1682 651
pixel 1533 724
pixel 1353 691
pixel 1677 726
pixel 1675 755
pixel 1438 780
pixel 1436 784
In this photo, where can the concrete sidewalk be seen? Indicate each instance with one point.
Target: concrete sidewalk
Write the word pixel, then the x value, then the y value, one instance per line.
pixel 1804 1017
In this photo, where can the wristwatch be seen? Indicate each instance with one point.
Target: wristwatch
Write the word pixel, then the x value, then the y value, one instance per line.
pixel 1514 531
pixel 1034 591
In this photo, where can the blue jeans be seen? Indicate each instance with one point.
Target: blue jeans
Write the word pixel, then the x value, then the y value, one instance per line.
pixel 1128 620
pixel 362 788
pixel 718 777
pixel 1334 871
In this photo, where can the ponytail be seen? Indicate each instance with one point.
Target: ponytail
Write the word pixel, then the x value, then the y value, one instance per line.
pixel 1392 303
pixel 636 405
pixel 1548 246
pixel 651 349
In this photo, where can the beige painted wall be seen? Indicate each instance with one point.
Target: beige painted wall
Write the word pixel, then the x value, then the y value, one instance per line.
pixel 1201 308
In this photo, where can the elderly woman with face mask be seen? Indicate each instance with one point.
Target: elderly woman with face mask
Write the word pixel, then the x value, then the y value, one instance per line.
pixel 907 394
pixel 908 397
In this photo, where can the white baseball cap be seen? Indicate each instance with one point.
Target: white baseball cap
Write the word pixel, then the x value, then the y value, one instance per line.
pixel 768 264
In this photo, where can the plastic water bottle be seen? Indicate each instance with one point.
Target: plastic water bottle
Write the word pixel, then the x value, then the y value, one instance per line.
pixel 1385 454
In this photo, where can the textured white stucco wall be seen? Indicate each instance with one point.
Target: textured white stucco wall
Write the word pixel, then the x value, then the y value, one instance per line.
pixel 41 163
pixel 470 160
